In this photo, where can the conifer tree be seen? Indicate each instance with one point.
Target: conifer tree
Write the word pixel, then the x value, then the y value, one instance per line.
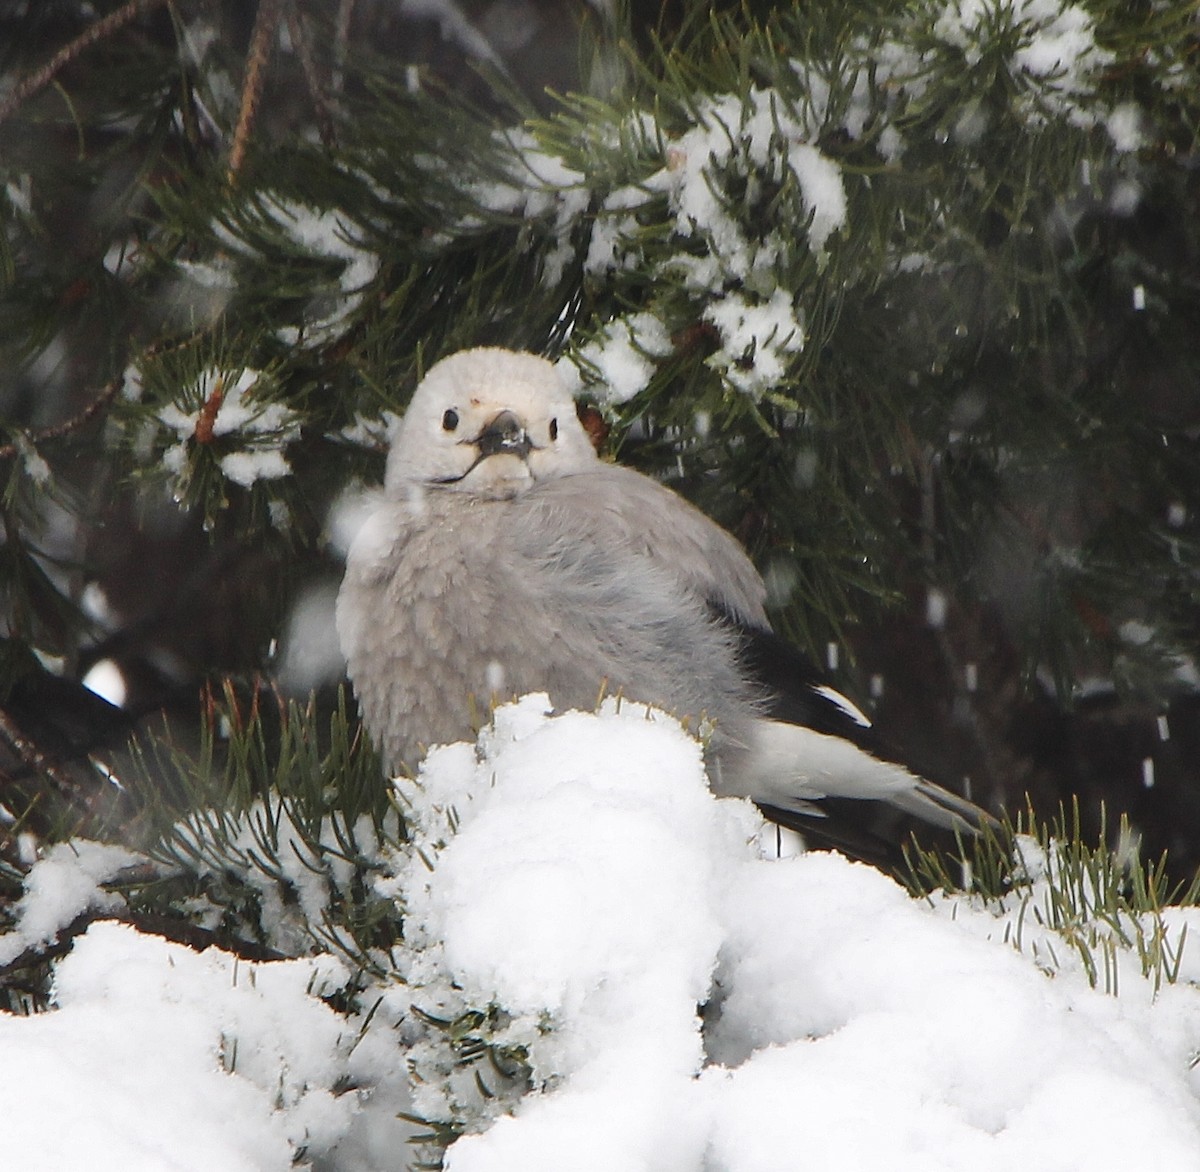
pixel 903 294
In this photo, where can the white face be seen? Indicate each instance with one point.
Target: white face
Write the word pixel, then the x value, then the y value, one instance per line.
pixel 489 422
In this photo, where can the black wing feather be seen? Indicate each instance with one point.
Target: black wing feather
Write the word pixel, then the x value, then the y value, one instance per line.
pixel 789 686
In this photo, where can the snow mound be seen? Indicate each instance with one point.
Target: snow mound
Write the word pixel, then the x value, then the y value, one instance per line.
pixel 575 877
pixel 160 1057
pixel 655 990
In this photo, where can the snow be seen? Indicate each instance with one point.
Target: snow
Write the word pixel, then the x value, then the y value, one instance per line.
pixel 579 953
pixel 750 134
pixel 60 885
pixel 262 428
pixel 19 193
pixel 753 138
pixel 822 190
pixel 757 340
pixel 573 892
pixel 373 432
pixel 753 141
pixel 593 884
pixel 622 356
pixel 311 656
pixel 156 1057
pixel 1054 49
pixel 32 461
pixel 326 233
pixel 246 467
pixel 537 184
pixel 322 232
pixel 1125 127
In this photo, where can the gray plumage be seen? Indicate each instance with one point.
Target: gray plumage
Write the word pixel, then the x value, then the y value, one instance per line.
pixel 506 557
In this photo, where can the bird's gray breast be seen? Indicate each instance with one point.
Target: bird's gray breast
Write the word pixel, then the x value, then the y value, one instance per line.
pixel 454 601
pixel 428 617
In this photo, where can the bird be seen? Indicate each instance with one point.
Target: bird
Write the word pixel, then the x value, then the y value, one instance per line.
pixel 505 556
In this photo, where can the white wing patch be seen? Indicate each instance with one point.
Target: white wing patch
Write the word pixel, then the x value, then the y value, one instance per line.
pixel 851 709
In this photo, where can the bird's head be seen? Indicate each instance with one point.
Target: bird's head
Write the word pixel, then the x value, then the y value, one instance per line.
pixel 489 422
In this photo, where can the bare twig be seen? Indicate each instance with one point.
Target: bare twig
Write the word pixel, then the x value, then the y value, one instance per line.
pixel 76 421
pixel 33 757
pixel 178 932
pixel 112 23
pixel 308 64
pixel 262 39
pixel 341 41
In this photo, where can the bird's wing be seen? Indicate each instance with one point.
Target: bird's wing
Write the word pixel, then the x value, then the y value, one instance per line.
pixel 804 742
pixel 614 608
pixel 617 507
pixel 816 763
pixel 796 691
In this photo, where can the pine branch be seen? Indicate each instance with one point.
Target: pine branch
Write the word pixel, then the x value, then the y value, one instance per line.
pixel 67 426
pixel 105 27
pixel 262 41
pixel 288 801
pixel 36 761
pixel 177 931
pixel 1041 875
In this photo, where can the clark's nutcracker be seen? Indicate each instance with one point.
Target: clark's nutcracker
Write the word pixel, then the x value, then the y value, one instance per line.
pixel 506 557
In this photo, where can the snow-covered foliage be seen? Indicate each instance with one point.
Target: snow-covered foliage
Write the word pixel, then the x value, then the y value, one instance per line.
pixel 294 873
pixel 222 405
pixel 604 966
pixel 1050 49
pixel 170 1058
pixel 64 883
pixel 595 975
pixel 742 150
pixel 621 357
pixel 1070 910
pixel 325 233
pixel 536 184
pixel 733 205
pixel 581 958
pixel 309 232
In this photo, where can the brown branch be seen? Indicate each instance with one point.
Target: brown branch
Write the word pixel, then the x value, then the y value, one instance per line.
pixel 112 23
pixel 206 420
pixel 148 923
pixel 308 65
pixel 51 950
pixel 76 421
pixel 341 41
pixel 34 758
pixel 266 26
pixel 197 938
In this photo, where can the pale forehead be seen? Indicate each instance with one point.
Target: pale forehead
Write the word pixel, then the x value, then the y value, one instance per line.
pixel 486 377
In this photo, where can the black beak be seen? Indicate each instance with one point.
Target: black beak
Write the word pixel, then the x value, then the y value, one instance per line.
pixel 504 434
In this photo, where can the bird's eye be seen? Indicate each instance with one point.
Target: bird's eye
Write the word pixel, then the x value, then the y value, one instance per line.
pixel 450 420
pixel 553 429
